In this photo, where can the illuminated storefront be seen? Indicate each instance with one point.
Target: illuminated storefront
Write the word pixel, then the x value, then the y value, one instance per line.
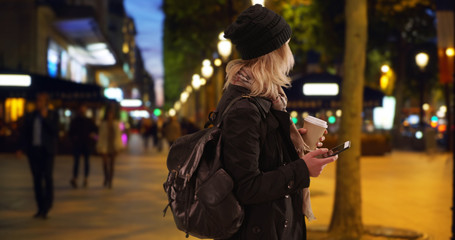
pixel 319 95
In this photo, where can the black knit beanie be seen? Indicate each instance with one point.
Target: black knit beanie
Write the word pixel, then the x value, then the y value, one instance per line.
pixel 258 31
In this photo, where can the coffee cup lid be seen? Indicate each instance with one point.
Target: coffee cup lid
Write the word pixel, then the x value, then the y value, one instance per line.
pixel 316 121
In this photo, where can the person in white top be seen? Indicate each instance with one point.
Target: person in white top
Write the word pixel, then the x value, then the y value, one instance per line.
pixel 109 144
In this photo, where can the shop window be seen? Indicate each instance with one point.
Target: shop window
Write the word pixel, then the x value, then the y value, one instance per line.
pixel 14 109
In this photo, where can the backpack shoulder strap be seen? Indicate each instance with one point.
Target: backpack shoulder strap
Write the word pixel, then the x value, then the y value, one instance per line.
pixel 226 110
pixel 213 116
pixel 260 105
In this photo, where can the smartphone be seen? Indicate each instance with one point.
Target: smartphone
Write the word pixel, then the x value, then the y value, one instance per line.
pixel 338 149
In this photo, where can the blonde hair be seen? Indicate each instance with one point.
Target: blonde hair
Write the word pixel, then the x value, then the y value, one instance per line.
pixel 268 72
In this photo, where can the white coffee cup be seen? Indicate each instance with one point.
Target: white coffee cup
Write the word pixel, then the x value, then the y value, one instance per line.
pixel 315 130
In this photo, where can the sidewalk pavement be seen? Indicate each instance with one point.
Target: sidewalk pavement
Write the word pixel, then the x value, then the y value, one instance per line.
pixel 402 190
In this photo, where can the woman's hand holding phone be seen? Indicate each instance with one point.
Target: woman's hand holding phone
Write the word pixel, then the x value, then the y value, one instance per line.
pixel 315 163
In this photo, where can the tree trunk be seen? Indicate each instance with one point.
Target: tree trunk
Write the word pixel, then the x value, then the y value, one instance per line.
pixel 400 63
pixel 346 222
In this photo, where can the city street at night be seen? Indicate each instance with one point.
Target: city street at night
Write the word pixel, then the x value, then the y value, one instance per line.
pixel 404 190
pixel 118 82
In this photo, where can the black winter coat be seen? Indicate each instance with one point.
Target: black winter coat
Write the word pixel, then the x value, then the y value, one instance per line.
pixel 80 129
pixel 267 172
pixel 49 132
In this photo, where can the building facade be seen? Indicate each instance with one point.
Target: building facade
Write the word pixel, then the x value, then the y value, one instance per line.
pixel 73 49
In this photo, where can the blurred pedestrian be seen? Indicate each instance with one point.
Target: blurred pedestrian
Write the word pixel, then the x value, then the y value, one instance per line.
pixel 159 133
pixel 109 144
pixel 172 130
pixel 38 139
pixel 268 168
pixel 82 133
pixel 154 133
pixel 146 131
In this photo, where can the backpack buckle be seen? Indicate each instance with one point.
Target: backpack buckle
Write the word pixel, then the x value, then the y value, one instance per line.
pixel 212 118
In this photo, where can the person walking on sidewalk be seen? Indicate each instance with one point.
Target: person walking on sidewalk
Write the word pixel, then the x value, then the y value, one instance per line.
pixel 172 130
pixel 38 139
pixel 268 169
pixel 109 144
pixel 82 132
pixel 146 131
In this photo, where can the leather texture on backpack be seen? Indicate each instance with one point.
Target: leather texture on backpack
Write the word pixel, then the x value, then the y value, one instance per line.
pixel 200 191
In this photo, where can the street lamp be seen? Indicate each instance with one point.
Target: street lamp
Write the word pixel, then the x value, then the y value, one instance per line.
pixel 184 96
pixel 217 62
pixel 224 47
pixel 385 68
pixel 177 105
pixel 253 2
pixel 188 89
pixel 450 52
pixel 172 112
pixel 421 59
pixel 196 81
pixel 203 81
pixel 207 69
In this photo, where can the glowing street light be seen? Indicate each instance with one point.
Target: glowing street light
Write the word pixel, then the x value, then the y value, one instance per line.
pixel 207 69
pixel 196 82
pixel 294 114
pixel 172 112
pixel 254 2
pixel 338 113
pixel 450 52
pixel 217 62
pixel 188 89
pixel 422 60
pixel 426 106
pixel 203 81
pixel 385 68
pixel 177 105
pixel 224 46
pixel 184 96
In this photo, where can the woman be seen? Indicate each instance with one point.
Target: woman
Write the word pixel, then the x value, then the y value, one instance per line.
pixel 268 168
pixel 109 144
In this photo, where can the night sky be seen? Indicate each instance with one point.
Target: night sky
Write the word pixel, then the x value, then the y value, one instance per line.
pixel 149 18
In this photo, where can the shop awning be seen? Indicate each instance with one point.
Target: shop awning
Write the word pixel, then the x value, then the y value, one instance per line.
pixel 78 24
pixel 57 88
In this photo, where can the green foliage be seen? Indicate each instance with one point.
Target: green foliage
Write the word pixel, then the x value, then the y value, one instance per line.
pixel 192 28
pixel 318 26
pixel 397 31
pixel 375 59
pixel 190 35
